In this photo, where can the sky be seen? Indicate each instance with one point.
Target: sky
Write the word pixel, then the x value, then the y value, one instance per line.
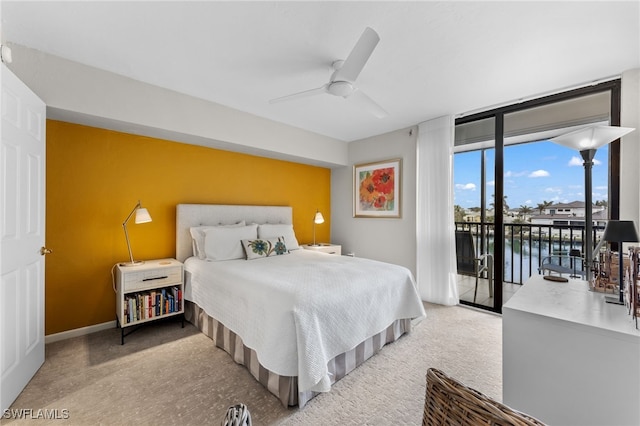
pixel 534 172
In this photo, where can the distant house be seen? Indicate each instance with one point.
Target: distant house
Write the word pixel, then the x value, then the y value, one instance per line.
pixel 474 215
pixel 564 214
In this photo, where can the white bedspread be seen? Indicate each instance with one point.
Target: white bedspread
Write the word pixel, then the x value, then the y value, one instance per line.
pixel 299 311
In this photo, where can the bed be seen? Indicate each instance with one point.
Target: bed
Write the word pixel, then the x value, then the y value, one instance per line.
pixel 299 320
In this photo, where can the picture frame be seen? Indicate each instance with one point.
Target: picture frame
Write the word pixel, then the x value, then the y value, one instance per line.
pixel 377 190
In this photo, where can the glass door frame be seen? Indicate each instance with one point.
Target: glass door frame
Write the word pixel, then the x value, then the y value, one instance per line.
pixel 498 115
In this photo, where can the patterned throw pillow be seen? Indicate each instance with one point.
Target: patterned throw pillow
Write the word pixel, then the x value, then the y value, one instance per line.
pixel 265 247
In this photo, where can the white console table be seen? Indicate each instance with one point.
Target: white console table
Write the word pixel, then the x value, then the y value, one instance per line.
pixel 570 358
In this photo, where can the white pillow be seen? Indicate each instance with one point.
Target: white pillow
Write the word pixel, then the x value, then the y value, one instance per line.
pixel 197 234
pixel 225 243
pixel 258 248
pixel 280 230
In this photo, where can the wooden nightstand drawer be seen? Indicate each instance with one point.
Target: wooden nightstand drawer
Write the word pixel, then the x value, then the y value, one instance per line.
pixel 151 278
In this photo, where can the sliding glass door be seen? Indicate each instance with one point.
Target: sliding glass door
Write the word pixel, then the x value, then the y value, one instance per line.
pixel 508 178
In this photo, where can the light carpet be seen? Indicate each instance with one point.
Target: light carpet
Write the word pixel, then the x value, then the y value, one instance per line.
pixel 165 374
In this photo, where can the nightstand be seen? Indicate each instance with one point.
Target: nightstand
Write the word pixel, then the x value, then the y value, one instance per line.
pixel 324 248
pixel 148 292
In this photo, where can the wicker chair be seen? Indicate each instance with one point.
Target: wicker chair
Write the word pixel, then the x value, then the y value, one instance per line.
pixel 449 402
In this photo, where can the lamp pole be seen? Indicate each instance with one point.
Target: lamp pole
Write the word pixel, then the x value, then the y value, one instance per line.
pixel 587 156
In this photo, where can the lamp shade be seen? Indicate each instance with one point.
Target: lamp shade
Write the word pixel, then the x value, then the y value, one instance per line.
pixel 591 137
pixel 142 215
pixel 318 218
pixel 620 231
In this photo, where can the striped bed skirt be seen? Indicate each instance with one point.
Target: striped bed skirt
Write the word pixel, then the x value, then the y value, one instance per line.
pixel 285 388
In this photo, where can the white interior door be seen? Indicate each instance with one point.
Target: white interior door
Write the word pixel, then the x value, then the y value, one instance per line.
pixel 22 198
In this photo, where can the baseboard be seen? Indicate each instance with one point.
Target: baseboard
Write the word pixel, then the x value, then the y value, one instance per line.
pixel 50 338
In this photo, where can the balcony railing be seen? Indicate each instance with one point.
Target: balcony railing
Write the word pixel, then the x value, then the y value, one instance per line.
pixel 525 245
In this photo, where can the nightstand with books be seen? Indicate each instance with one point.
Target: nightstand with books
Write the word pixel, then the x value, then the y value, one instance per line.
pixel 148 291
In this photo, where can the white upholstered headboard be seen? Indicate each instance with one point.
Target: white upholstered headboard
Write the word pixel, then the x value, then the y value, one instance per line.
pixel 188 215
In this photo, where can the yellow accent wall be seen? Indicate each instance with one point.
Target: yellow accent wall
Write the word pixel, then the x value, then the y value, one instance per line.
pixel 96 176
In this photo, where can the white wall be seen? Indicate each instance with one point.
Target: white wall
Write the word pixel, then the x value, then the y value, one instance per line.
pixel 85 95
pixel 630 148
pixel 389 240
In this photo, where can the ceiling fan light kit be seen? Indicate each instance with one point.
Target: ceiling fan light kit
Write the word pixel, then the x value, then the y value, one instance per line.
pixel 341 82
pixel 340 88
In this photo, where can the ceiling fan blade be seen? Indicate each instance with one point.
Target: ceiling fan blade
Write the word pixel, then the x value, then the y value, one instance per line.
pixel 358 57
pixel 368 104
pixel 306 93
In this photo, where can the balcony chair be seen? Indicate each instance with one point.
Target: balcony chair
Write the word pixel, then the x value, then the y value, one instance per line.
pixel 469 263
pixel 557 264
pixel 449 402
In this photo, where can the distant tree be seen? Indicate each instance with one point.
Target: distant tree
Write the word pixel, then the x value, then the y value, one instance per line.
pixel 458 213
pixel 543 205
pixel 505 206
pixel 602 203
pixel 525 210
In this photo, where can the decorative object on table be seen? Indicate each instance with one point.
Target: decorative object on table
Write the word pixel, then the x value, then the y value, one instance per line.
pixel 587 140
pixel 556 278
pixel 142 216
pixel 377 190
pixel 605 271
pixel 317 220
pixel 620 231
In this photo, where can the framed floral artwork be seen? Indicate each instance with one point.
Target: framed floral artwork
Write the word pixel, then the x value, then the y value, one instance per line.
pixel 376 189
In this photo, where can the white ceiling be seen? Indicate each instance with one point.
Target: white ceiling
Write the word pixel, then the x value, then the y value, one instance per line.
pixel 434 58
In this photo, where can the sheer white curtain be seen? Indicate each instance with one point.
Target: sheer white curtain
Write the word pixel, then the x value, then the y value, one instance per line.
pixel 436 264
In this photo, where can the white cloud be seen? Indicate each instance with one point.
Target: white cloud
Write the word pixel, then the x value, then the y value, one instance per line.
pixel 539 173
pixel 577 161
pixel 491 183
pixel 509 173
pixel 466 186
pixel 553 190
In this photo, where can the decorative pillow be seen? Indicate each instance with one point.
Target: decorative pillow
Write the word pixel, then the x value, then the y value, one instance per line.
pixel 197 234
pixel 279 230
pixel 224 243
pixel 258 248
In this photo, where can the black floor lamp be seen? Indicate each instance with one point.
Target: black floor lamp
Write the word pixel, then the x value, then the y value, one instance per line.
pixel 587 140
pixel 620 231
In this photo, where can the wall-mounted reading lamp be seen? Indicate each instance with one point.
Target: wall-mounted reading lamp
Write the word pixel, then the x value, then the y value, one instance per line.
pixel 142 216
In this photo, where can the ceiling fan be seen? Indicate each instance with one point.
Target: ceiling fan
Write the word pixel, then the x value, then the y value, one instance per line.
pixel 341 82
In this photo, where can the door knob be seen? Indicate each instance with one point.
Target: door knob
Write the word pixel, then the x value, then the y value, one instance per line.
pixel 44 250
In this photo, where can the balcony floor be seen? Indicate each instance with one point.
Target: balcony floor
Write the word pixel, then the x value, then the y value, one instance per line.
pixel 467 284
